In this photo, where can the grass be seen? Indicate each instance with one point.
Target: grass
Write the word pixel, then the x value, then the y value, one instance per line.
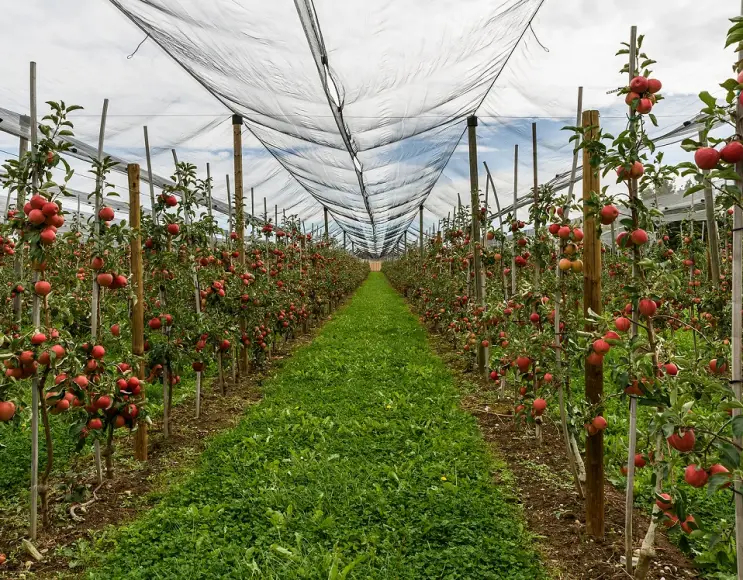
pixel 359 463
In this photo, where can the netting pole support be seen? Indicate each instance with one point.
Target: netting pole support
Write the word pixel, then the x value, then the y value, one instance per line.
pixel 594 375
pixel 475 235
pixel 137 269
pixel 325 215
pixel 237 140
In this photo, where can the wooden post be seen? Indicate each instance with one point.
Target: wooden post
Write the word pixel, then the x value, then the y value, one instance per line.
pixel 239 228
pixel 20 202
pixel 36 319
pixel 325 212
pixel 594 375
pixel 515 201
pixel 475 237
pixel 237 142
pixel 344 239
pixel 137 320
pixel 149 174
pixel 737 336
pixel 713 242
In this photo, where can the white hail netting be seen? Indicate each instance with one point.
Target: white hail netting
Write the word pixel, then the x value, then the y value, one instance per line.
pixel 407 74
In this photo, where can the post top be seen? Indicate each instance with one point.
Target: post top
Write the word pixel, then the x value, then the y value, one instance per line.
pixel 237 119
pixel 472 121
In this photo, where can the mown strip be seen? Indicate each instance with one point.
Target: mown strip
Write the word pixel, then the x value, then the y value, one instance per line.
pixel 358 464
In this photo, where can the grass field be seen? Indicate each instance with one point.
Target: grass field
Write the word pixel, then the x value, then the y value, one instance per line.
pixel 358 463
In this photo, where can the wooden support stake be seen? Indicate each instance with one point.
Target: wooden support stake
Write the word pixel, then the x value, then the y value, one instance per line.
pixel 325 214
pixel 594 375
pixel 137 319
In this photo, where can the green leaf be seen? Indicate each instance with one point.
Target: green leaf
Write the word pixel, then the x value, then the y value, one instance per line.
pixel 737 423
pixel 694 189
pixel 708 99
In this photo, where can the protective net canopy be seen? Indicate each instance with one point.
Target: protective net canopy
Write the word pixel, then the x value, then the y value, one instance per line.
pixel 352 105
pixel 362 125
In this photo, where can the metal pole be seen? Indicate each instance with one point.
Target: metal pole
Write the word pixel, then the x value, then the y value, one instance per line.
pixel 149 174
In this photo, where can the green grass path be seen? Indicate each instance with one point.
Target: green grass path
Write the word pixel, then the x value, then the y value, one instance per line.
pixel 358 464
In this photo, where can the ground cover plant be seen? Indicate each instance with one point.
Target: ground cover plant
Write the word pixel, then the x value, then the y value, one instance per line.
pixel 358 463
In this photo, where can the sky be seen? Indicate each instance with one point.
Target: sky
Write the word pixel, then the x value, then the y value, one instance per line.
pixel 408 71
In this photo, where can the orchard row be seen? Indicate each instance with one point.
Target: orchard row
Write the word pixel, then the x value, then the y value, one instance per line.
pixel 628 342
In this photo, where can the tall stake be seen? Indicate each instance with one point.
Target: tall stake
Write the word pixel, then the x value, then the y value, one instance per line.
pixel 20 201
pixel 713 242
pixel 95 303
pixel 475 237
pixel 252 211
pixel 592 300
pixel 325 212
pixel 137 321
pixel 515 201
pixel 573 458
pixel 149 174
pixel 97 224
pixel 737 339
pixel 229 205
pixel 209 208
pixel 36 317
pixel 420 237
pixel 237 138
pixel 630 489
pixel 537 272
pixel 237 141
